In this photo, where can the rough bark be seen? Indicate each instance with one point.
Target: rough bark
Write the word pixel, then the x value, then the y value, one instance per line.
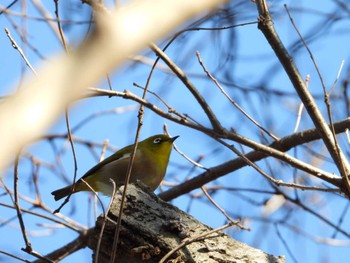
pixel 151 228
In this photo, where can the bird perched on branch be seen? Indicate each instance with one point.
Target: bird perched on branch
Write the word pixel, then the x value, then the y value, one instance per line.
pixel 149 166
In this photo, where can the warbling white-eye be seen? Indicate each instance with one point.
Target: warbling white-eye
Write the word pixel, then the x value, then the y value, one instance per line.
pixel 150 164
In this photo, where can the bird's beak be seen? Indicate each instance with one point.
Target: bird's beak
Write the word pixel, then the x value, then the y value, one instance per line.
pixel 173 138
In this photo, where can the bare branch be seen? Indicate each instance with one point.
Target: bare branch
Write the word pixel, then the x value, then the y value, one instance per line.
pixel 68 249
pixel 182 76
pixel 267 28
pixel 108 48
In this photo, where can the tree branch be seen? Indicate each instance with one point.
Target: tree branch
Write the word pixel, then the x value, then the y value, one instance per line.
pixel 151 228
pixel 276 149
pixel 282 145
pixel 68 249
pixel 36 106
pixel 182 76
pixel 267 28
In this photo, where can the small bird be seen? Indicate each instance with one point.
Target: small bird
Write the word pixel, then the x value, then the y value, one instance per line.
pixel 150 164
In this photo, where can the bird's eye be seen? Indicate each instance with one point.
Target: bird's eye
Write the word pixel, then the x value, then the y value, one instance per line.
pixel 157 140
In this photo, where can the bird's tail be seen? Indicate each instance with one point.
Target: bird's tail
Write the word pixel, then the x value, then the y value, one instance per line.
pixel 63 192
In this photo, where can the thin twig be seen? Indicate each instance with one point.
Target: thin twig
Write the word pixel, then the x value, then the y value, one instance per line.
pixel 301 106
pixel 177 34
pixel 267 28
pixel 285 244
pixel 126 182
pixel 8 7
pixel 109 82
pixel 70 138
pixel 170 109
pixel 330 116
pixel 193 239
pixel 258 169
pixel 35 173
pixel 70 223
pixel 234 222
pixel 128 174
pixel 43 216
pixel 71 143
pixel 330 139
pixel 182 76
pixel 337 78
pixel 94 192
pixel 97 251
pixel 63 40
pixel 15 46
pixel 275 149
pixel 307 48
pixel 342 218
pixel 14 256
pixel 331 142
pixel 313 212
pixel 46 17
pixel 28 247
pixel 231 100
pixel 89 118
pixel 104 148
pixel 182 154
pixel 80 242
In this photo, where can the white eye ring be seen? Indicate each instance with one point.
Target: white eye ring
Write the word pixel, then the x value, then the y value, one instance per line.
pixel 157 140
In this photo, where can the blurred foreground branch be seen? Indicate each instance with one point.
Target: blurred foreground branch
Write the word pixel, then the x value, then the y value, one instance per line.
pixel 120 33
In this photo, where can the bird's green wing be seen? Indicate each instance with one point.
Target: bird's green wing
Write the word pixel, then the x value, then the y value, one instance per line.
pixel 122 153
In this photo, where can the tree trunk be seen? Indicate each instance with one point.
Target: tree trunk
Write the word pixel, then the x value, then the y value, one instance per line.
pixel 151 228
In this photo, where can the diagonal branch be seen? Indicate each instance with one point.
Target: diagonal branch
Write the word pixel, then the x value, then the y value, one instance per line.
pixel 282 145
pixel 267 28
pixel 68 249
pixel 276 149
pixel 182 76
pixel 106 49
